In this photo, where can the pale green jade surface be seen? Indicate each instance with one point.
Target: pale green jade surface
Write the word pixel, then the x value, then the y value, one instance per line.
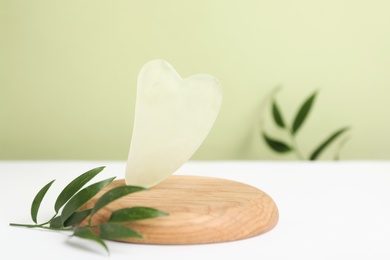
pixel 172 118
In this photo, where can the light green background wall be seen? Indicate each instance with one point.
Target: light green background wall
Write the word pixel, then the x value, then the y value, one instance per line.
pixel 68 72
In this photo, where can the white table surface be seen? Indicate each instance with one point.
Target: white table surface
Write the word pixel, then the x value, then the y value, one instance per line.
pixel 328 210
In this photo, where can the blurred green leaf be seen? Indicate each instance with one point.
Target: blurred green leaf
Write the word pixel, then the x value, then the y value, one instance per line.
pixel 327 142
pixel 302 113
pixel 77 217
pixel 86 233
pixel 276 145
pixel 82 197
pixel 37 201
pixel 74 186
pixel 56 222
pixel 114 194
pixel 277 115
pixel 117 231
pixel 135 213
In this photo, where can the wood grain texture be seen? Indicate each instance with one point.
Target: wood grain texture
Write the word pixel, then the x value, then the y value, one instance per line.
pixel 201 210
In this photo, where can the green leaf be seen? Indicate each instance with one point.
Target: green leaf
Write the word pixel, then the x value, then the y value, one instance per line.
pixel 56 222
pixel 135 213
pixel 277 145
pixel 117 231
pixel 77 217
pixel 37 201
pixel 82 197
pixel 86 233
pixel 114 194
pixel 302 113
pixel 75 186
pixel 327 142
pixel 277 115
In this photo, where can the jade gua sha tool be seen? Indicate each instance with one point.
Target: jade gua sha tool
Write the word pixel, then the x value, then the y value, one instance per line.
pixel 172 118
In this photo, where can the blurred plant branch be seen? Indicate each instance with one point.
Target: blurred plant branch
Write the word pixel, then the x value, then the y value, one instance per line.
pixel 291 146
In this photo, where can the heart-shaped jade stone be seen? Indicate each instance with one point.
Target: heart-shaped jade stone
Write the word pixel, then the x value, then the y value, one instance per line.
pixel 172 118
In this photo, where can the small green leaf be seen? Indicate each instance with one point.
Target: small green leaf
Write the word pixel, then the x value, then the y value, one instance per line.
pixel 37 201
pixel 135 213
pixel 302 113
pixel 114 194
pixel 276 145
pixel 86 233
pixel 74 186
pixel 82 197
pixel 77 217
pixel 277 115
pixel 56 222
pixel 329 140
pixel 117 231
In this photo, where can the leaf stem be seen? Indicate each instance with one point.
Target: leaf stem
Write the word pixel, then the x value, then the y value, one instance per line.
pixel 341 145
pixel 39 226
pixel 47 222
pixel 25 225
pixel 294 146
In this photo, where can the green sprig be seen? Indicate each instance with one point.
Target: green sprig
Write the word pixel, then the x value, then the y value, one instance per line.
pixel 74 196
pixel 281 146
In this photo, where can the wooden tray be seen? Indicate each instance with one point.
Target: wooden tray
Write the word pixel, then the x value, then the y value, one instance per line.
pixel 201 210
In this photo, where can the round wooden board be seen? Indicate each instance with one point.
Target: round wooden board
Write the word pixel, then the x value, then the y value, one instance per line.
pixel 201 210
